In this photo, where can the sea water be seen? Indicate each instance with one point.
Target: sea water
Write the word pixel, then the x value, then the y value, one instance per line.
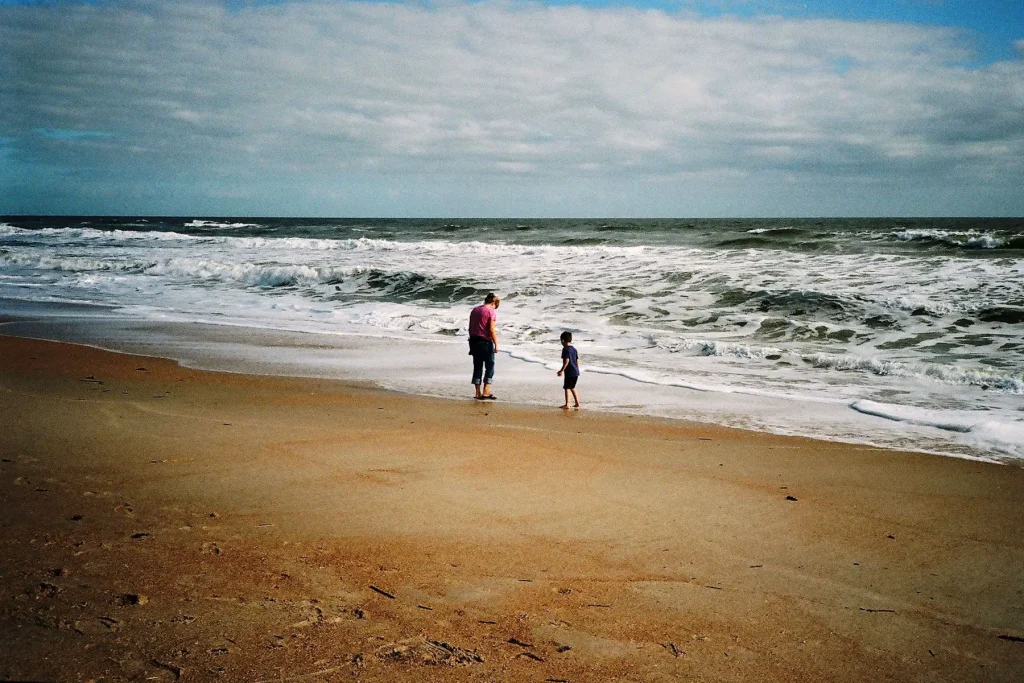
pixel 896 332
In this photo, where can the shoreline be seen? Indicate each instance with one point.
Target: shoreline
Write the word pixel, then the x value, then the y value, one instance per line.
pixel 435 372
pixel 376 386
pixel 166 522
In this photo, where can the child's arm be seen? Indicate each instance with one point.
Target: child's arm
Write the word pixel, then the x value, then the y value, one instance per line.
pixel 565 364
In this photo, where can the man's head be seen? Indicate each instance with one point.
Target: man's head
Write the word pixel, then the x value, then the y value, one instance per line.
pixel 566 338
pixel 492 299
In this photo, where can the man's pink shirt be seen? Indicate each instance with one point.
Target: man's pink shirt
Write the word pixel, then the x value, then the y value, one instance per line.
pixel 480 321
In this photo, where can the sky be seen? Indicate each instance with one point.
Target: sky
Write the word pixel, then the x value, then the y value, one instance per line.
pixel 619 108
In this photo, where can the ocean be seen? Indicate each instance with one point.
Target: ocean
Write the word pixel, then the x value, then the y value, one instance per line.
pixel 894 332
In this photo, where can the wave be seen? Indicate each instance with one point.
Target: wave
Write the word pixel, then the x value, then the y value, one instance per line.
pixel 1013 315
pixel 407 286
pixel 746 242
pixel 363 244
pixel 192 269
pixel 64 235
pixel 947 374
pixel 934 309
pixel 962 240
pixel 920 416
pixel 583 241
pixel 1004 437
pixel 390 285
pixel 189 269
pixel 784 230
pixel 798 301
pixel 766 238
pixel 530 358
pixel 67 264
pixel 708 347
pixel 624 227
pixel 791 308
pixel 215 224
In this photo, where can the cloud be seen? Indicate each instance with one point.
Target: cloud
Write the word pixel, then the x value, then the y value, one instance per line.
pixel 322 91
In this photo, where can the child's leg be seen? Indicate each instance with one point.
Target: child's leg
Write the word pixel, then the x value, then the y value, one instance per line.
pixel 566 404
pixel 575 397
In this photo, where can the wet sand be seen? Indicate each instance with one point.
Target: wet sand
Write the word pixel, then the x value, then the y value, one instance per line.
pixel 161 523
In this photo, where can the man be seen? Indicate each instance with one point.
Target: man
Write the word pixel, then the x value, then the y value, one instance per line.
pixel 483 345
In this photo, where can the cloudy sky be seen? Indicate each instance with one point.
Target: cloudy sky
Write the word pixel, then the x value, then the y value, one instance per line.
pixel 501 108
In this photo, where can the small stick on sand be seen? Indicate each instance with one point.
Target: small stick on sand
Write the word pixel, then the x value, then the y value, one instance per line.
pixel 676 652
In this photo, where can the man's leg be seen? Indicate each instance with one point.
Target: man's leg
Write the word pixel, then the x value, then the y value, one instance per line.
pixel 488 372
pixel 478 371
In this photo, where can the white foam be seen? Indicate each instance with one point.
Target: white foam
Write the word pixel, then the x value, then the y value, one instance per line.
pixel 954 422
pixel 762 231
pixel 215 224
pixel 711 347
pixel 1001 436
pixel 1010 383
pixel 535 360
pixel 111 237
pixel 969 239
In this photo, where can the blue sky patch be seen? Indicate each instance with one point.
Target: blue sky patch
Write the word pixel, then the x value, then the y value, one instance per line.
pixel 66 134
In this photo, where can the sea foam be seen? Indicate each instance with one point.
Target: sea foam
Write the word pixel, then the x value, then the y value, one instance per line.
pixel 1002 436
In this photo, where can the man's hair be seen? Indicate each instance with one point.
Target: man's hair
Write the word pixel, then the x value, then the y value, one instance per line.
pixel 566 337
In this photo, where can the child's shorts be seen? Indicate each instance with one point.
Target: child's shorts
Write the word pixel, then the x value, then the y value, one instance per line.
pixel 570 381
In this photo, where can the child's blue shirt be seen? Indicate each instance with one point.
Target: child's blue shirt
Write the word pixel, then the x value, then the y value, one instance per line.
pixel 573 368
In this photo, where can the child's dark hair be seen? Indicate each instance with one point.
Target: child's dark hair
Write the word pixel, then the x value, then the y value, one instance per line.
pixel 566 337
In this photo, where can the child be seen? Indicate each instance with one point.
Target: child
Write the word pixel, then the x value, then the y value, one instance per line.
pixel 571 369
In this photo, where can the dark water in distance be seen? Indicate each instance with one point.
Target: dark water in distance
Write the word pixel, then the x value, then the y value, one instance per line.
pixel 979 237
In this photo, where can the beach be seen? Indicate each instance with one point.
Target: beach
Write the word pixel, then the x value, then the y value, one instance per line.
pixel 240 248
pixel 891 332
pixel 165 523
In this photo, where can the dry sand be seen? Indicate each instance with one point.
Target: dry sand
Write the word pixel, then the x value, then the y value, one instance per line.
pixel 163 523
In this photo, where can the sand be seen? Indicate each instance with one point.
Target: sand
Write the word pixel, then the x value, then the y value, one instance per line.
pixel 161 523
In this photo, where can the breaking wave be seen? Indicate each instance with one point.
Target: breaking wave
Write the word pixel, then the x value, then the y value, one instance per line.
pixel 985 379
pixel 962 240
pixel 1003 437
pixel 215 224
